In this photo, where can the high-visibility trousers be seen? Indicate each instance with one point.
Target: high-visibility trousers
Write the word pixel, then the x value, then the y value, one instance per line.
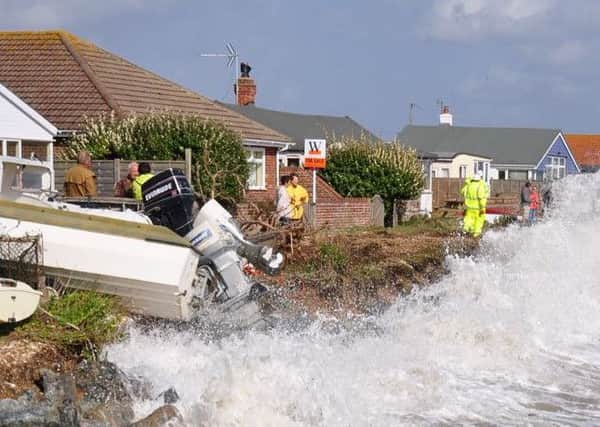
pixel 473 222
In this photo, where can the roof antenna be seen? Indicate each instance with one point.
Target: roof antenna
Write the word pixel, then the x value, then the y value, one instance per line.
pixel 232 58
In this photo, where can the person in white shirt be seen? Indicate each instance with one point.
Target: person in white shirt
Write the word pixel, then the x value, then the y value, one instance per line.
pixel 283 201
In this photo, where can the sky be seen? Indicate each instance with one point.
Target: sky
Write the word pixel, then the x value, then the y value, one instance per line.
pixel 510 63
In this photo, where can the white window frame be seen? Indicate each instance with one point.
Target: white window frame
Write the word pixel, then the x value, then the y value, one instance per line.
pixel 484 167
pixel 556 167
pixel 462 171
pixel 18 147
pixel 260 163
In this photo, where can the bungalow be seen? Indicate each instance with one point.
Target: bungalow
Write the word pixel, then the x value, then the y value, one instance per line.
pixel 509 153
pixel 299 127
pixel 586 149
pixel 66 78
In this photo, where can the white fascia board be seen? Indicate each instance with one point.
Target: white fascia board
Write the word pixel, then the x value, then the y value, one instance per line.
pixel 569 151
pixel 282 146
pixel 30 112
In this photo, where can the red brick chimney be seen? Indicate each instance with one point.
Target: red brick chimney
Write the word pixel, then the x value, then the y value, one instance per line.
pixel 246 91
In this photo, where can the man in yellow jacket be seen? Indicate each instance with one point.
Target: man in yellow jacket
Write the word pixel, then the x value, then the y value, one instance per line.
pixel 145 173
pixel 298 197
pixel 475 193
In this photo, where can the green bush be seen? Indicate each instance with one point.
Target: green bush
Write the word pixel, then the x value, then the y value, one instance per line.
pixel 362 168
pixel 219 166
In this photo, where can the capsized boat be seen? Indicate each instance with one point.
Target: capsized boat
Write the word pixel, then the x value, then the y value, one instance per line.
pixel 157 270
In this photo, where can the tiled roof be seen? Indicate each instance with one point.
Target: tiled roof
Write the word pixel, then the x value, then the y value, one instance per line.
pixel 301 126
pixel 585 148
pixel 66 78
pixel 505 146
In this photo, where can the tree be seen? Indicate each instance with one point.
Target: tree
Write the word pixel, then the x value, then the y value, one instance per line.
pixel 363 168
pixel 219 166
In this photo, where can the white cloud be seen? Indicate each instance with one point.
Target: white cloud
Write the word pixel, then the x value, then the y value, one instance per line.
pixel 41 14
pixel 470 20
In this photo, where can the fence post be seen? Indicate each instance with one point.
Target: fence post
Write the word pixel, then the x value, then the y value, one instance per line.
pixel 116 170
pixel 188 164
pixel 395 214
pixel 310 214
pixel 377 211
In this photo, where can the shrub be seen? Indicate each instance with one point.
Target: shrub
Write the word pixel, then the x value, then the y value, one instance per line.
pixel 362 168
pixel 219 166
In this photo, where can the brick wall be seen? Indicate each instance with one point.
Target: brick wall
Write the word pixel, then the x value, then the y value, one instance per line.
pixel 332 208
pixel 349 212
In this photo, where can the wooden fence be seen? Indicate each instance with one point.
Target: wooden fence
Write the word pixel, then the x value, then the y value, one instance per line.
pixel 108 172
pixel 446 191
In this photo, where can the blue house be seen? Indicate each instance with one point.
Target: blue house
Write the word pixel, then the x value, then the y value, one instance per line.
pixel 515 153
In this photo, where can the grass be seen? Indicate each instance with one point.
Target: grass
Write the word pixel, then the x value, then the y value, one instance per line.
pixel 438 225
pixel 79 322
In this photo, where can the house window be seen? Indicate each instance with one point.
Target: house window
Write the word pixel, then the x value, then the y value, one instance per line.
pixel 556 167
pixel 293 162
pixel 256 161
pixel 462 171
pixel 444 173
pixel 502 175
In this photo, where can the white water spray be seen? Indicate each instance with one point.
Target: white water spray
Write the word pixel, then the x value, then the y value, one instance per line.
pixel 510 336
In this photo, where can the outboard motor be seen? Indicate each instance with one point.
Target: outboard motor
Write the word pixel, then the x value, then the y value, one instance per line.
pixel 169 201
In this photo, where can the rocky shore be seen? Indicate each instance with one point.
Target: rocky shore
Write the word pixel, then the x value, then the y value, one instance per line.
pixel 50 381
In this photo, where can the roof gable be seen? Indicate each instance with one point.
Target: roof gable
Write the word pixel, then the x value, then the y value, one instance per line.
pixel 506 146
pixel 67 78
pixel 301 126
pixel 558 148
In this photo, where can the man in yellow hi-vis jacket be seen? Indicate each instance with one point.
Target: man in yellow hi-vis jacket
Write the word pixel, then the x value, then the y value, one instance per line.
pixel 475 193
pixel 298 197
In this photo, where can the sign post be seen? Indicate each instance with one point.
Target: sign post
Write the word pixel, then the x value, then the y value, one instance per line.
pixel 315 157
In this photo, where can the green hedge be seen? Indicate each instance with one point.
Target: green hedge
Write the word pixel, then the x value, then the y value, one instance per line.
pixel 219 166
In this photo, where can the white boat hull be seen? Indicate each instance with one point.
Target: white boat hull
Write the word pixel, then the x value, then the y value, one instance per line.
pixel 150 267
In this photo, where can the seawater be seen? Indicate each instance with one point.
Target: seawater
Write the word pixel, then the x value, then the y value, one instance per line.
pixel 510 337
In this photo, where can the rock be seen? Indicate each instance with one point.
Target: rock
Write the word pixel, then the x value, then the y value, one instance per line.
pixel 165 415
pixel 60 393
pixel 105 393
pixel 169 396
pixel 95 394
pixel 26 412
